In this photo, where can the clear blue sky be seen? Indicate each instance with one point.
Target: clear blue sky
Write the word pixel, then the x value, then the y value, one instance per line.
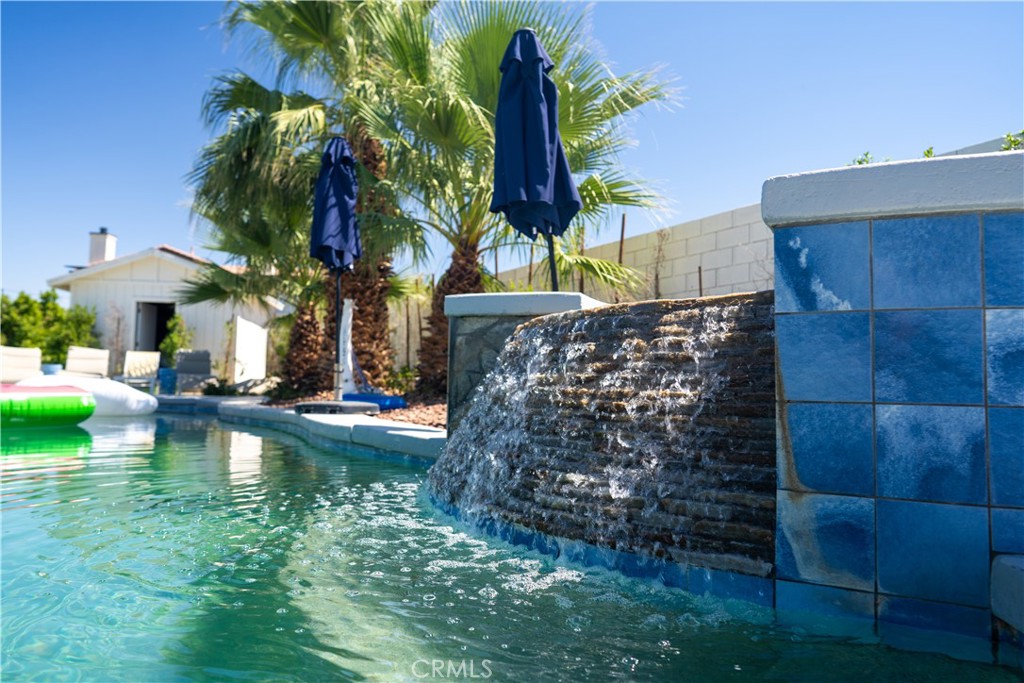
pixel 100 105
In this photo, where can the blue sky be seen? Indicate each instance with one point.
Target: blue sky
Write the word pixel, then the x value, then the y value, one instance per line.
pixel 99 116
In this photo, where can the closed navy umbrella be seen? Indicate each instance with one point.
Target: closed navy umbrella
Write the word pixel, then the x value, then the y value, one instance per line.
pixel 334 237
pixel 533 185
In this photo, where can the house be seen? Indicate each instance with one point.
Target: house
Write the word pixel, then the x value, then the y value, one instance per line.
pixel 135 296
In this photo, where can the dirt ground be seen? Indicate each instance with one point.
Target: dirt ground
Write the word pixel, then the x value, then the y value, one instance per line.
pixel 423 412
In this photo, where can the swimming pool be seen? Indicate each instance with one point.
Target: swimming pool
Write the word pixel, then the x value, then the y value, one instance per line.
pixel 182 549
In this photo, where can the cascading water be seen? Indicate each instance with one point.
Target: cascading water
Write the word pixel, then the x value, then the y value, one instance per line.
pixel 647 428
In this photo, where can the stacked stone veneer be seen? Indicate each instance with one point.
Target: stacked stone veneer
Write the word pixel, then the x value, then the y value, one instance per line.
pixel 647 428
pixel 900 327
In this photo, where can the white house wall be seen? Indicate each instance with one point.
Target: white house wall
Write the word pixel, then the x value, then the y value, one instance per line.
pixel 115 292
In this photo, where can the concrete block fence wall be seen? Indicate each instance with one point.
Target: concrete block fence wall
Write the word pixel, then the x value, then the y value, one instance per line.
pixel 733 250
pixel 900 348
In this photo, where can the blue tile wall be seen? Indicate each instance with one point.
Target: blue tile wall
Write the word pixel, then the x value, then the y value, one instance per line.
pixel 901 418
pixel 1006 451
pixel 933 551
pixel 1007 530
pixel 1004 259
pixel 838 602
pixel 1004 337
pixel 932 453
pixel 826 539
pixel 826 447
pixel 824 356
pixel 967 621
pixel 929 357
pixel 822 268
pixel 930 262
pixel 825 609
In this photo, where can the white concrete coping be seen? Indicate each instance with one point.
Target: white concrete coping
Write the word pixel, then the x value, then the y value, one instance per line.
pixel 941 185
pixel 517 303
pixel 1007 589
pixel 397 437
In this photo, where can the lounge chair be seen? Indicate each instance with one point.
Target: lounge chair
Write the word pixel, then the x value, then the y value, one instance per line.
pixel 17 363
pixel 86 362
pixel 140 369
pixel 194 370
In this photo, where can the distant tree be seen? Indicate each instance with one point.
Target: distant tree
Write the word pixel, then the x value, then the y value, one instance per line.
pixel 1010 141
pixel 1013 141
pixel 45 324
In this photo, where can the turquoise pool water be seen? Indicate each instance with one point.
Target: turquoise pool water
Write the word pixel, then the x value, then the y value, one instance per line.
pixel 184 550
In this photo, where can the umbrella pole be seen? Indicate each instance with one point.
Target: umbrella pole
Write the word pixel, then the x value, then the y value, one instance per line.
pixel 337 338
pixel 551 261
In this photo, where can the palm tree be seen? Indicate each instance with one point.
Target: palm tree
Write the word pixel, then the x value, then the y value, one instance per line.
pixel 254 186
pixel 269 157
pixel 438 121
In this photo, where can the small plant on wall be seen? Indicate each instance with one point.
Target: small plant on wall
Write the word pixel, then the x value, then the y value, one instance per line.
pixel 178 337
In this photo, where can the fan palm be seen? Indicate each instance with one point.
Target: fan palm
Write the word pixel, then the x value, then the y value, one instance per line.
pixel 438 121
pixel 255 181
pixel 254 186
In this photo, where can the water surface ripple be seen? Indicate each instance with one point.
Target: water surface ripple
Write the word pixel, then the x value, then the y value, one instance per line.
pixel 183 550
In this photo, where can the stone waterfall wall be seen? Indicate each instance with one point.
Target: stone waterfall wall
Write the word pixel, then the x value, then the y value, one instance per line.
pixel 647 428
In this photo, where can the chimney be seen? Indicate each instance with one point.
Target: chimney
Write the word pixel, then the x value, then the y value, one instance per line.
pixel 102 247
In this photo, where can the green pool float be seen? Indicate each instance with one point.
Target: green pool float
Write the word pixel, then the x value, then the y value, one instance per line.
pixel 44 406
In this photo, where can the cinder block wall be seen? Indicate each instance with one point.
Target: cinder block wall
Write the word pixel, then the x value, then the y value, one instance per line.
pixel 733 251
pixel 900 342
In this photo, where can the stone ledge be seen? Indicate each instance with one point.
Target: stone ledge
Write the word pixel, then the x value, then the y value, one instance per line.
pixel 973 183
pixel 517 303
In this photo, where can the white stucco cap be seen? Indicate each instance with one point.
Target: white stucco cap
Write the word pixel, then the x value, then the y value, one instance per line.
pixel 977 182
pixel 517 303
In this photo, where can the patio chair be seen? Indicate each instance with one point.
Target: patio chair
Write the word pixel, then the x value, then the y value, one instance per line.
pixel 140 368
pixel 194 370
pixel 86 362
pixel 17 363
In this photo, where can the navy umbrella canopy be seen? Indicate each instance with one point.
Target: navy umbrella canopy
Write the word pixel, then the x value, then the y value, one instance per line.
pixel 334 237
pixel 335 234
pixel 533 184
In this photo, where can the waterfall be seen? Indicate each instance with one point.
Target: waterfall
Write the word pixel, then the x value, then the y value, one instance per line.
pixel 647 428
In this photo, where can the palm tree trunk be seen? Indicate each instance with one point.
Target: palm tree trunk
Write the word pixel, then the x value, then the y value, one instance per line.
pixel 302 371
pixel 462 277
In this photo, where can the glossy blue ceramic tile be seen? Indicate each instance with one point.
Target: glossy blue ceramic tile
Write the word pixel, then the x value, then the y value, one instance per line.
pixel 824 609
pixel 826 539
pixel 1006 453
pixel 826 447
pixel 1004 332
pixel 1004 259
pixel 931 262
pixel 936 616
pixel 934 453
pixel 824 600
pixel 933 551
pixel 824 356
pixel 822 268
pixel 1007 530
pixel 929 357
pixel 723 584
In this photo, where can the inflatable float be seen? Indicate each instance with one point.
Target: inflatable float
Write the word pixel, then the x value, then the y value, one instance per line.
pixel 53 406
pixel 113 399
